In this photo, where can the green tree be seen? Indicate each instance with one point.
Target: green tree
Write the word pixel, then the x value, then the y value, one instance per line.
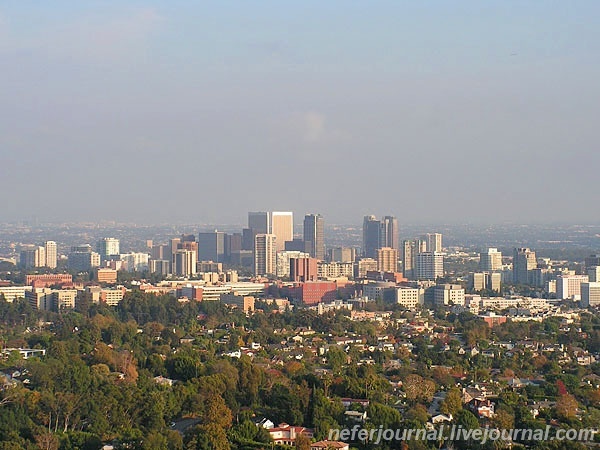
pixel 452 403
pixel 302 442
pixel 336 357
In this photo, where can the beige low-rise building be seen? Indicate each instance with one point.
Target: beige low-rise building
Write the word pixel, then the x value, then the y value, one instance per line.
pixel 449 294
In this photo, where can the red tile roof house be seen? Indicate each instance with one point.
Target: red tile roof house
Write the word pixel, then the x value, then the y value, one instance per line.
pixel 333 445
pixel 286 434
pixel 482 407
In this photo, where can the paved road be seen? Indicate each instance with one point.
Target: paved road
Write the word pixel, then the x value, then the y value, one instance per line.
pixel 182 425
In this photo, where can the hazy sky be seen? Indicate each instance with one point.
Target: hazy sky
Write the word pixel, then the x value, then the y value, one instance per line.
pixel 432 111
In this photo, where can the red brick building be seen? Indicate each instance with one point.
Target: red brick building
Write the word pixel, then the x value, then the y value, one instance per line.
pixel 493 320
pixel 303 269
pixel 312 292
pixel 49 279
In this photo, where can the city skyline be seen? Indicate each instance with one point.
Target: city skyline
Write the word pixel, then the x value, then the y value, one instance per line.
pixel 489 107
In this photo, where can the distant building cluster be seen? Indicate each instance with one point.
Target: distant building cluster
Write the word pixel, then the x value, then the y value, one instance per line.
pixel 276 262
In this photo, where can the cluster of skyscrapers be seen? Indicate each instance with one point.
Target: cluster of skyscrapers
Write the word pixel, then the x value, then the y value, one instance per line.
pixel 269 246
pixel 267 235
pixel 423 257
pixel 39 256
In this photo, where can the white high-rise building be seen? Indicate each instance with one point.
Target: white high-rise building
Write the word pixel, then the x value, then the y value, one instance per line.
pixel 569 286
pixel 136 261
pixel 282 226
pixel 108 247
pixel 479 281
pixel 283 261
pixel 278 223
pixel 40 257
pixel 490 260
pixel 433 242
pixel 184 262
pixel 32 256
pixel 265 254
pixel 590 294
pixel 51 254
pixel 429 265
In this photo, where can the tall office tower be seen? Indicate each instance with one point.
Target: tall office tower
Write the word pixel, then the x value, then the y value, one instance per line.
pixel 32 256
pixel 160 252
pixel 184 262
pixel 135 261
pixel 233 246
pixel 569 286
pixel 433 242
pixel 160 266
pixel 429 265
pixel 188 238
pixel 389 233
pixel 592 261
pixel 303 269
pixel 27 257
pixel 282 226
pixel 314 235
pixel 409 253
pixel 387 259
pixel 479 281
pixel 371 236
pixel 211 246
pixel 108 248
pixel 594 273
pixel 378 234
pixel 40 257
pixel 173 246
pixel 83 259
pixel 260 222
pixel 523 262
pixel 265 254
pixel 590 294
pixel 51 254
pixel 421 245
pixel 188 243
pixel 297 245
pixel 490 260
pixel 248 235
pixel 342 254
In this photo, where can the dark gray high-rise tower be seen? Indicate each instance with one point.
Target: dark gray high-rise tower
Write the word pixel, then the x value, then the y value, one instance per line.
pixel 314 235
pixel 389 233
pixel 211 246
pixel 259 222
pixel 371 236
pixel 378 234
pixel 524 261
